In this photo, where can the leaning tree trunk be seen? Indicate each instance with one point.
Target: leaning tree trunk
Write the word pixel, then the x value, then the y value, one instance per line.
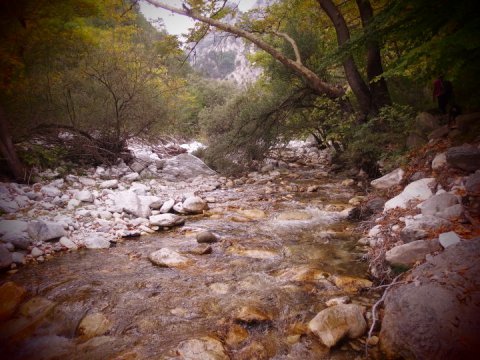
pixel 378 88
pixel 359 88
pixel 313 80
pixel 8 150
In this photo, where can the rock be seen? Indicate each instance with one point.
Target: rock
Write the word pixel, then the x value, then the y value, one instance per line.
pixel 236 335
pixel 251 314
pixel 167 206
pixel 8 206
pixel 389 180
pixel 304 273
pixel 426 122
pixel 472 184
pixel 376 230
pixel 45 231
pixel 439 133
pixel 18 258
pixel 109 184
pixel 36 252
pixel 418 228
pixel 351 284
pixel 356 200
pixel 131 203
pixel 178 208
pixel 206 237
pixel 73 203
pixel 417 190
pixel 69 244
pixel 85 196
pixel 336 322
pixel 96 241
pixel 51 191
pixel 12 227
pixel 465 157
pixel 166 220
pixel 203 249
pixel 348 182
pixel 415 140
pixel 86 181
pixel 254 350
pixel 438 203
pixel 448 239
pixel 93 325
pixel 337 301
pixel 11 295
pixel 436 317
pixel 131 177
pixel 194 205
pixel 183 167
pixel 205 348
pixel 439 161
pixel 253 214
pixel 168 258
pixel 294 216
pixel 405 256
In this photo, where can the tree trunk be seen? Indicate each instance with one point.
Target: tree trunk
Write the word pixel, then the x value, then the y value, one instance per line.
pixel 359 88
pixel 379 89
pixel 313 81
pixel 8 151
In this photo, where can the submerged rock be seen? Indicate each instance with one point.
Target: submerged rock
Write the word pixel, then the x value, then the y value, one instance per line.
pixel 252 314
pixel 93 325
pixel 336 322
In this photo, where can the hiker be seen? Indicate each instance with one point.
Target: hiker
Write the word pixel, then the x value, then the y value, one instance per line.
pixel 442 91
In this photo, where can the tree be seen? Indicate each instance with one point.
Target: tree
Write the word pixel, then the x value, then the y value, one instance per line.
pixel 369 101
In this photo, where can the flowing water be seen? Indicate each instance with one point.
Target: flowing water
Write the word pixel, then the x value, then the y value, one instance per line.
pixel 277 261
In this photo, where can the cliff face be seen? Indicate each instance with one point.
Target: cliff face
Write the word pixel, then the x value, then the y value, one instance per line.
pixel 222 56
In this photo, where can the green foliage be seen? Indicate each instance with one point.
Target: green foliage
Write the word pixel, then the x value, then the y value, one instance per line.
pixel 381 139
pixel 41 156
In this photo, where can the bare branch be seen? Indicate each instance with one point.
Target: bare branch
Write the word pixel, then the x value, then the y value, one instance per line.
pixel 292 42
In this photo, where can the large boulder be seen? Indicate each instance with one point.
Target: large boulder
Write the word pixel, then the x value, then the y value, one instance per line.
pixel 465 157
pixel 438 315
pixel 133 204
pixel 426 122
pixel 438 203
pixel 183 167
pixel 472 184
pixel 336 322
pixel 45 231
pixel 418 228
pixel 389 180
pixel 417 190
pixel 405 256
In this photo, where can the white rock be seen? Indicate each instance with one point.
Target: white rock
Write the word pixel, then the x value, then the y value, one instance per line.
pixel 73 203
pixel 36 252
pixel 167 206
pixel 194 205
pixel 96 241
pixel 375 231
pixel 45 231
pixel 85 196
pixel 438 203
pixel 439 161
pixel 50 191
pixel 69 244
pixel 408 254
pixel 109 184
pixel 448 239
pixel 389 180
pixel 168 258
pixel 131 177
pixel 87 181
pixel 166 220
pixel 206 348
pixel 131 203
pixel 417 190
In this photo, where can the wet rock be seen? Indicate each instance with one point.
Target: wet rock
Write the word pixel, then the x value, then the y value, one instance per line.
pixel 45 231
pixel 29 316
pixel 448 239
pixel 206 237
pixel 205 348
pixel 336 322
pixel 418 228
pixel 472 184
pixel 253 253
pixel 436 317
pixel 194 205
pixel 69 244
pixel 438 203
pixel 85 196
pixel 465 157
pixel 252 314
pixel 167 206
pixel 168 258
pixel 109 184
pixel 294 215
pixel 350 284
pixel 253 214
pixel 236 335
pixel 166 220
pixel 11 295
pixel 303 274
pixel 405 256
pixel 96 241
pixel 348 182
pixel 439 161
pixel 202 249
pixel 417 190
pixel 93 325
pixel 5 257
pixel 389 180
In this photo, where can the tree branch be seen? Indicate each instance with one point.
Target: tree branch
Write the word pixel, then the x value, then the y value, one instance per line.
pixel 292 42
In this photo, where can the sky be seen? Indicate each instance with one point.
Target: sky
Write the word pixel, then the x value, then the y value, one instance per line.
pixel 178 24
